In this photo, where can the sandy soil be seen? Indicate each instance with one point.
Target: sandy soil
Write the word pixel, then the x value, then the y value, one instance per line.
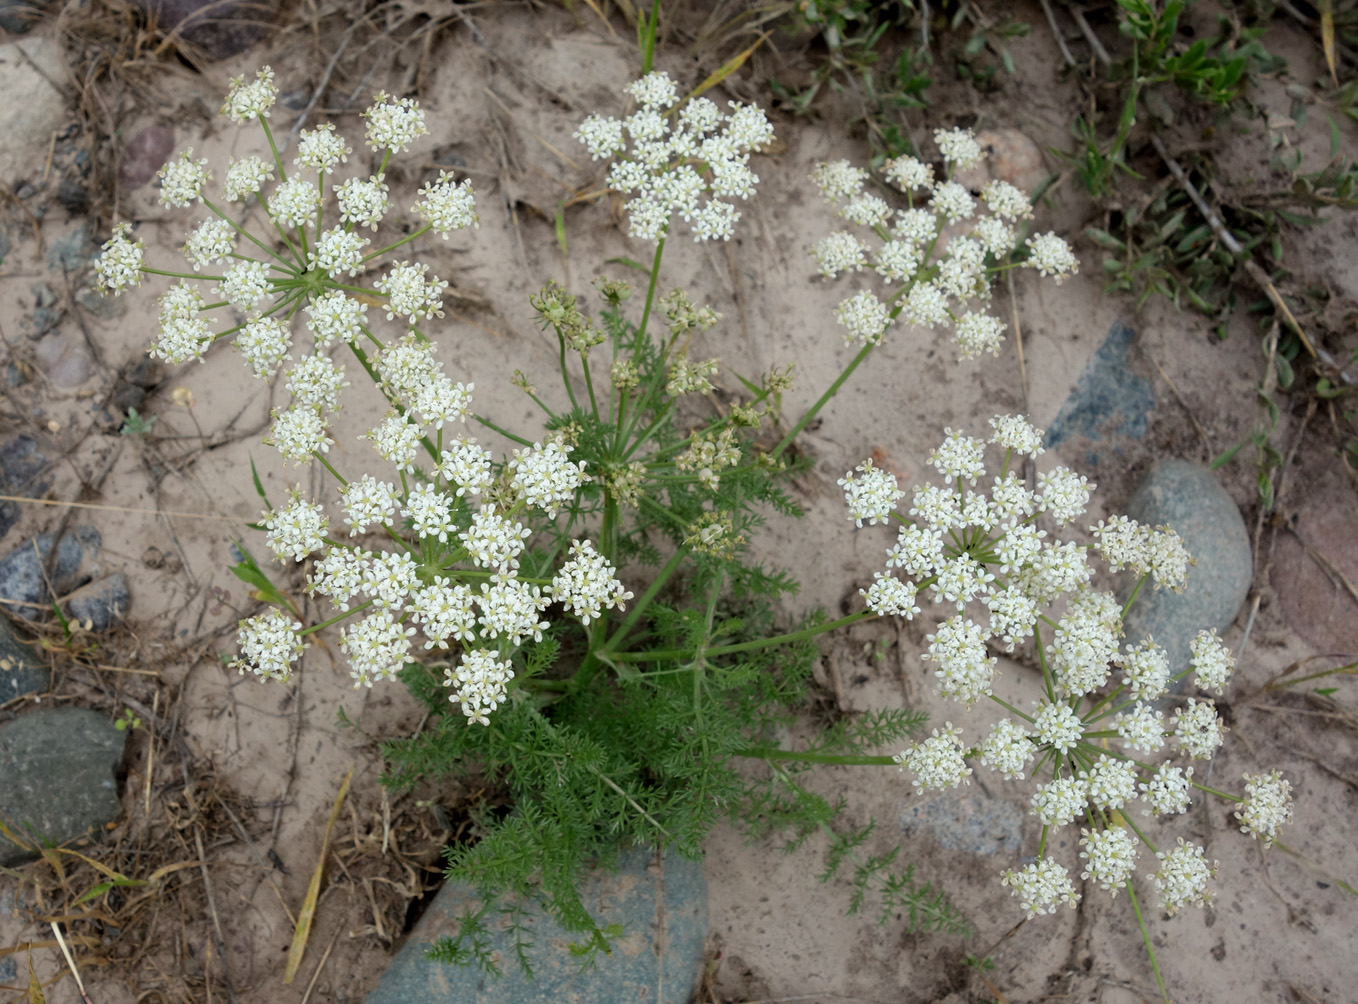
pixel 503 92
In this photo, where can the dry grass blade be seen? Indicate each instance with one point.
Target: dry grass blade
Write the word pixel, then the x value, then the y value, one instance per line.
pixel 729 67
pixel 70 961
pixel 34 991
pixel 1327 35
pixel 308 911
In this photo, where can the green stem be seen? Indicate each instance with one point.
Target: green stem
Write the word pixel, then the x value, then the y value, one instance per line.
pixel 824 399
pixel 771 753
pixel 661 655
pixel 336 619
pixel 1135 593
pixel 1146 937
pixel 317 454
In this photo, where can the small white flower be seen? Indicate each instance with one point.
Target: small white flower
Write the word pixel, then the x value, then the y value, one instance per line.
pixel 182 180
pixel 897 260
pixel 429 513
pixel 394 123
pixel 926 306
pixel 1050 255
pixel 264 344
pixel 1060 801
pixel 366 502
pixel 377 648
pixel 244 102
pixel 297 530
pixel 245 177
pixel 322 149
pixel 447 206
pixel 493 541
pixel 977 333
pixel 918 226
pixel 478 684
pixel 1147 671
pixel 1014 432
pixel 1057 726
pixel 1183 876
pixel 333 315
pixel 966 671
pixel 953 202
pixel 888 596
pixel 363 202
pixel 1041 886
pixel 545 477
pixel 602 136
pixel 1167 791
pixel 210 244
pixel 295 202
pixel 959 457
pixel 907 173
pixel 1212 661
pixel 466 465
pixel 587 583
pixel 339 574
pixel 409 294
pixel 446 611
pixel 1006 201
pixel 1198 729
pixel 120 264
pixel 184 335
pixel 338 251
pixel 864 316
pixel 269 644
pixel 297 432
pixel 389 578
pixel 959 147
pixel 1111 783
pixel 871 497
pixel 1063 494
pixel 1268 806
pixel 838 179
pixel 840 252
pixel 936 762
pixel 866 211
pixel 1008 749
pixel 1111 854
pixel 1142 728
pixel 918 550
pixel 396 439
pixel 654 91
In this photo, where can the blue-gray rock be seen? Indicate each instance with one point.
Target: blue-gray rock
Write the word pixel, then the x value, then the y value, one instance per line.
pixel 57 780
pixel 21 571
pixel 72 251
pixel 18 17
pixel 1109 401
pixel 972 823
pixel 101 604
pixel 660 949
pixel 103 305
pixel 1187 497
pixel 21 671
pixel 22 470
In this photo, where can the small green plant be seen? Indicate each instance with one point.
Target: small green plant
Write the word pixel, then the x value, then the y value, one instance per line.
pixel 136 425
pixel 127 720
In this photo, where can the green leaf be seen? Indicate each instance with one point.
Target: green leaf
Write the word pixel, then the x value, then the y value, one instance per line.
pixel 259 485
pixel 1228 455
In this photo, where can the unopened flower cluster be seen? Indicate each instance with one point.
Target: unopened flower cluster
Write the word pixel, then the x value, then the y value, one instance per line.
pixel 938 254
pixel 447 578
pixel 688 163
pixel 989 551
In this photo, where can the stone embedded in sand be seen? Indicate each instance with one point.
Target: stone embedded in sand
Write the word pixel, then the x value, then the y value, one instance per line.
pixel 21 671
pixel 22 470
pixel 631 973
pixel 57 781
pixel 34 106
pixel 23 583
pixel 65 358
pixel 100 605
pixel 1188 498
pixel 216 28
pixel 144 155
pixel 1009 156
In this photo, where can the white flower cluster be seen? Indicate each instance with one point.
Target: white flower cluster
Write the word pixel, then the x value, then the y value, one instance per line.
pixel 684 164
pixel 982 552
pixel 936 279
pixel 269 286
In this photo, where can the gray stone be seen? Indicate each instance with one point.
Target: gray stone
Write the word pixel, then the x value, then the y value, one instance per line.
pixel 65 357
pixel 21 671
pixel 972 823
pixel 217 28
pixel 18 17
pixel 21 571
pixel 104 305
pixel 57 777
pixel 72 251
pixel 21 473
pixel 101 604
pixel 1187 497
pixel 647 951
pixel 1109 404
pixel 144 154
pixel 34 107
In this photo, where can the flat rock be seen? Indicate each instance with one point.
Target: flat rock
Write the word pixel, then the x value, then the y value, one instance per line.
pixel 57 779
pixel 21 571
pixel 34 108
pixel 100 605
pixel 144 154
pixel 218 28
pixel 972 823
pixel 22 470
pixel 1109 403
pixel 1188 498
pixel 21 671
pixel 647 956
pixel 65 358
